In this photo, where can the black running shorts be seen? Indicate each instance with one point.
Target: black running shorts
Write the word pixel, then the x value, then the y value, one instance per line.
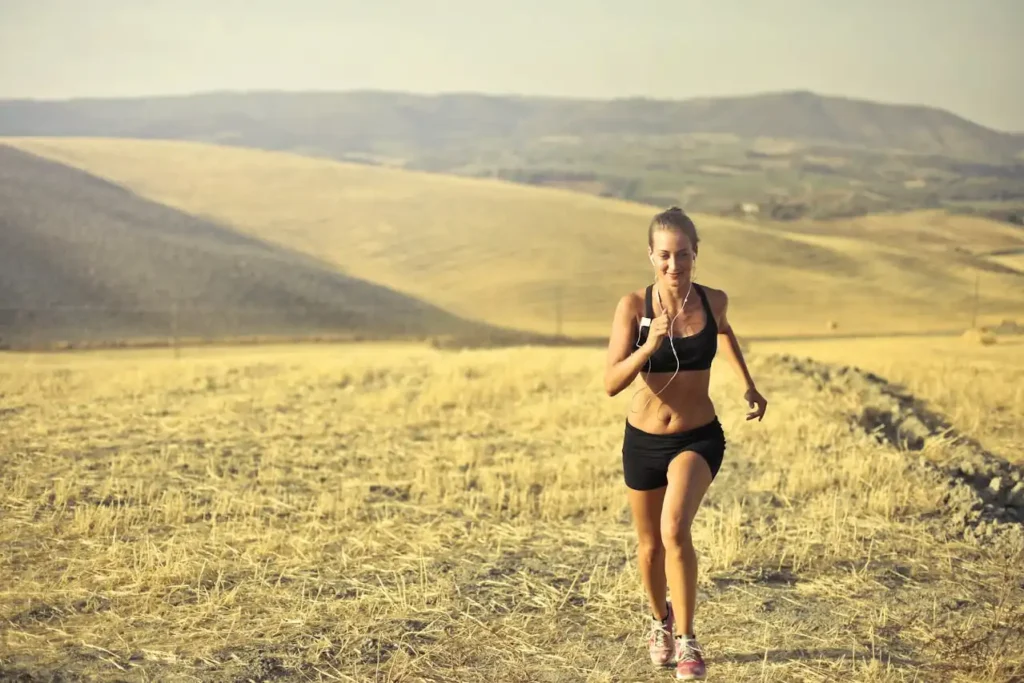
pixel 646 456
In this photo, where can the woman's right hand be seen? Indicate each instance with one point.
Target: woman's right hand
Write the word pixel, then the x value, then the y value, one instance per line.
pixel 656 332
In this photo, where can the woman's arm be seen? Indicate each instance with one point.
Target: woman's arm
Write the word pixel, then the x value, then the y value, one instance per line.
pixel 732 353
pixel 623 363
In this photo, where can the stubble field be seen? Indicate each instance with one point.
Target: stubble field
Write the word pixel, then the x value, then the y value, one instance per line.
pixel 391 513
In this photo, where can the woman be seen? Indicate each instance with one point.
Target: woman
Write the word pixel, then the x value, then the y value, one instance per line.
pixel 673 444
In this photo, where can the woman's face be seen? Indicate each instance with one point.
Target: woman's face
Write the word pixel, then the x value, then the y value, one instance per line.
pixel 672 256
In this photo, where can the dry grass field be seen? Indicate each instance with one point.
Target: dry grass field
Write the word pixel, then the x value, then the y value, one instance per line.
pixel 549 261
pixel 390 513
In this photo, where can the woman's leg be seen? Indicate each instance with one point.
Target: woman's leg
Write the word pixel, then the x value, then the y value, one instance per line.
pixel 646 507
pixel 688 480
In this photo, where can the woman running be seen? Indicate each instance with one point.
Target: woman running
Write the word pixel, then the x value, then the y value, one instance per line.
pixel 673 443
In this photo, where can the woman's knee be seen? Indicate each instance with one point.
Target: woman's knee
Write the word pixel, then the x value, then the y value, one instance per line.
pixel 650 549
pixel 675 533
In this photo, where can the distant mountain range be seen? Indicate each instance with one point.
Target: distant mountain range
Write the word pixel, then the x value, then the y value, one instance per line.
pixel 815 155
pixel 350 120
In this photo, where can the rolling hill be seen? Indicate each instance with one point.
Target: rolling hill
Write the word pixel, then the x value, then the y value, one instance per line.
pixel 86 262
pixel 550 261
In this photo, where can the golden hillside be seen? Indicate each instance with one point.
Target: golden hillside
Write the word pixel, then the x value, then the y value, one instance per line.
pixel 85 263
pixel 529 257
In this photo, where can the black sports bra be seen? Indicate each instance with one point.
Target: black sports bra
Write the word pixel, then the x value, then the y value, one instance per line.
pixel 695 352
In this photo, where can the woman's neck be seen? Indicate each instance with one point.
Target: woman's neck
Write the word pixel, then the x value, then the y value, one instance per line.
pixel 673 298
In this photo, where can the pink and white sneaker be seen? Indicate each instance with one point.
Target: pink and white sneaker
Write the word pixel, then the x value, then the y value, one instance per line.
pixel 659 641
pixel 689 660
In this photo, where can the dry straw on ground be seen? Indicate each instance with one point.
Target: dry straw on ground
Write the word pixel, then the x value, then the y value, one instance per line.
pixel 407 514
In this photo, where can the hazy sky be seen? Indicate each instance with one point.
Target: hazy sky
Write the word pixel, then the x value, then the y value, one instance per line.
pixel 962 55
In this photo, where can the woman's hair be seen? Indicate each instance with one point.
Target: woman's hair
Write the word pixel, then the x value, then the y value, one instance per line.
pixel 673 219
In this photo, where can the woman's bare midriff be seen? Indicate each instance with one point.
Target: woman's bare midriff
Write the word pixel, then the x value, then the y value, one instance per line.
pixel 683 405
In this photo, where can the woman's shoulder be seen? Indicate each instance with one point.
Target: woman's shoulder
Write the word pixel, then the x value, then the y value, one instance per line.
pixel 633 302
pixel 717 298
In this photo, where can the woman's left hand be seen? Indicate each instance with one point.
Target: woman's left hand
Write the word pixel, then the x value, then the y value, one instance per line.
pixel 753 397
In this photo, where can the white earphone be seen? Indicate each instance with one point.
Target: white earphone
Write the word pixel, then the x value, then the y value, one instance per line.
pixel 646 323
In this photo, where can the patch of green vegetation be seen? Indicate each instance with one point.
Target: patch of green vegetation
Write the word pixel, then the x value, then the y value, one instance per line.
pixel 785 179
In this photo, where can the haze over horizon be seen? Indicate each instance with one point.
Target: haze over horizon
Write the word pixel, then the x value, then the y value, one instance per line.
pixel 943 53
